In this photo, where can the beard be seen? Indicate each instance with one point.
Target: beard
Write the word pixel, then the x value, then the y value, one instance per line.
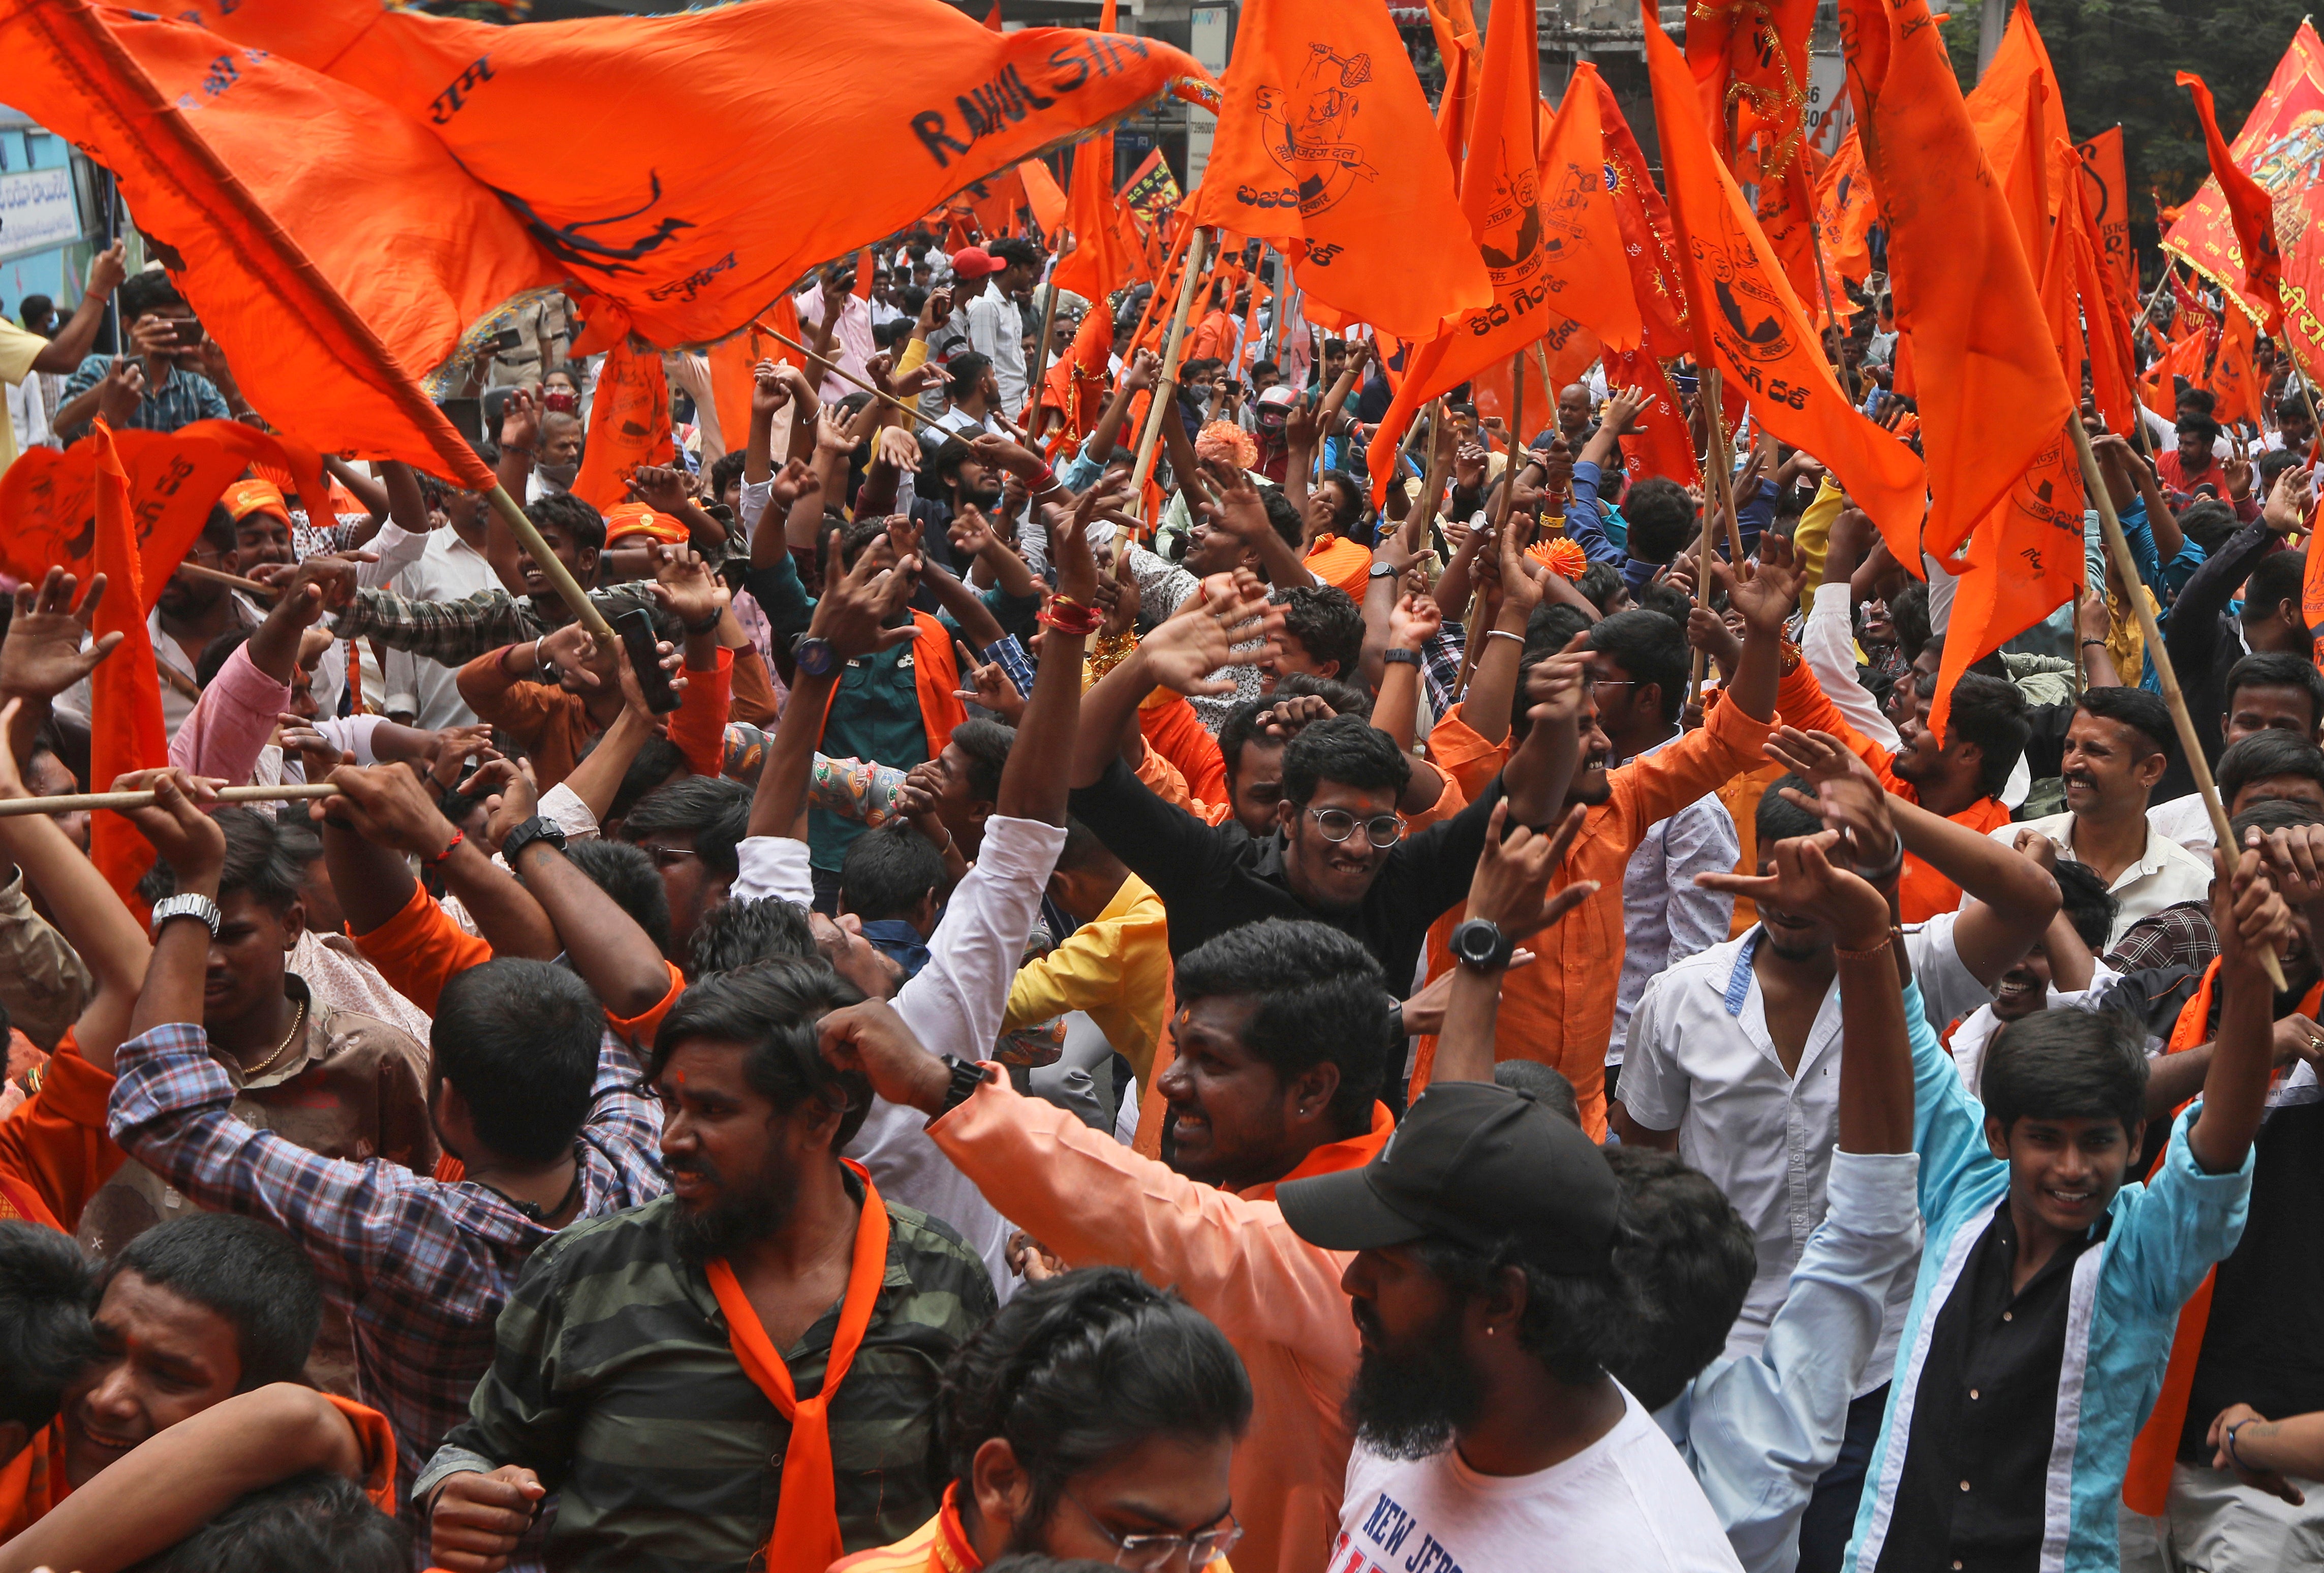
pixel 743 1213
pixel 982 497
pixel 1409 1403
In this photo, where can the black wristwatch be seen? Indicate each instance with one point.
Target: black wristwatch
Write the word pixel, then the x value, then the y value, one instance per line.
pixel 967 1076
pixel 1481 946
pixel 814 657
pixel 540 828
pixel 1402 657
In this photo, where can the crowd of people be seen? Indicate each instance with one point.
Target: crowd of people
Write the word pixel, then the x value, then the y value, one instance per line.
pixel 1047 1019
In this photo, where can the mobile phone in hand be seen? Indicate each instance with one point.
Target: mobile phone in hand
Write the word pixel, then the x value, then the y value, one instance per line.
pixel 560 400
pixel 190 332
pixel 644 651
pixel 507 339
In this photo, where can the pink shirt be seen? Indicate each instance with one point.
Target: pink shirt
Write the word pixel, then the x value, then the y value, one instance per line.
pixel 231 723
pixel 853 346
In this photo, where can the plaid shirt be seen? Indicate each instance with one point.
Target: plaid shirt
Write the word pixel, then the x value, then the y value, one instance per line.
pixel 308 541
pixel 187 397
pixel 1440 666
pixel 423 1267
pixel 456 633
pixel 2179 935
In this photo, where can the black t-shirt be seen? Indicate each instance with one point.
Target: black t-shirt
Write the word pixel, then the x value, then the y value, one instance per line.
pixel 1216 877
pixel 2263 1345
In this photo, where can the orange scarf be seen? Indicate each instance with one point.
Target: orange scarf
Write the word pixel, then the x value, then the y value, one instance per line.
pixel 2146 1484
pixel 807 1516
pixel 935 675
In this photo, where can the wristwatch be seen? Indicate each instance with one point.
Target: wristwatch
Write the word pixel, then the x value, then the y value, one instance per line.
pixel 967 1076
pixel 1480 945
pixel 1382 570
pixel 186 906
pixel 1401 656
pixel 814 657
pixel 540 828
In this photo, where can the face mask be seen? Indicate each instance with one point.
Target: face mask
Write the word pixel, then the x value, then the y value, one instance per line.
pixel 559 475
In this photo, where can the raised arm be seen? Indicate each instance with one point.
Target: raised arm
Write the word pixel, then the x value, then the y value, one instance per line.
pixel 1510 890
pixel 1196 641
pixel 2251 919
pixel 389 809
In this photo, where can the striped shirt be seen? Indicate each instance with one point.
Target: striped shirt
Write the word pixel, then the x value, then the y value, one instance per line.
pixel 615 1383
pixel 179 399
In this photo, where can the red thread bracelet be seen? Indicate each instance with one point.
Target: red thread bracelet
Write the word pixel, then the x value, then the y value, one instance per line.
pixel 449 847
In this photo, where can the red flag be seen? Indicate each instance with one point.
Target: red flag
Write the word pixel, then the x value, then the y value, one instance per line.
pixel 2114 373
pixel 686 247
pixel 1663 445
pixel 1747 320
pixel 2250 207
pixel 1750 63
pixel 629 426
pixel 331 264
pixel 1546 232
pixel 992 18
pixel 125 696
pixel 1649 240
pixel 1324 148
pixel 1991 396
pixel 866 262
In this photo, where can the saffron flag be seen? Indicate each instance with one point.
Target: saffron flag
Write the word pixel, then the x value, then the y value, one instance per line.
pixel 2185 359
pixel 1649 240
pixel 1324 148
pixel 1546 233
pixel 1750 63
pixel 331 264
pixel 1747 320
pixel 1076 383
pixel 2019 85
pixel 1662 444
pixel 996 201
pixel 49 498
pixel 1454 23
pixel 1845 211
pixel 2235 384
pixel 733 374
pixel 685 248
pixel 2250 210
pixel 2106 193
pixel 2282 146
pixel 1990 391
pixel 1043 196
pixel 124 692
pixel 1099 262
pixel 629 426
pixel 2104 312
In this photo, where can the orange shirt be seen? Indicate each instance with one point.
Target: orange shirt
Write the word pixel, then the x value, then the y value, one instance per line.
pixel 54 1154
pixel 419 949
pixel 1921 893
pixel 1277 1298
pixel 1172 727
pixel 33 1481
pixel 939 1546
pixel 1341 563
pixel 1560 1011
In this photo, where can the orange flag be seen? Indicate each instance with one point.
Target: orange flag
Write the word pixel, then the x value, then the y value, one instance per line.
pixel 733 374
pixel 49 498
pixel 125 696
pixel 1076 384
pixel 1748 320
pixel 996 200
pixel 1845 211
pixel 1043 196
pixel 1649 240
pixel 2016 108
pixel 1454 23
pixel 992 18
pixel 2184 359
pixel 331 264
pixel 629 426
pixel 1324 148
pixel 1991 396
pixel 1545 230
pixel 2251 208
pixel 2234 381
pixel 1663 446
pixel 1750 63
pixel 2105 314
pixel 1099 262
pixel 684 248
pixel 2106 193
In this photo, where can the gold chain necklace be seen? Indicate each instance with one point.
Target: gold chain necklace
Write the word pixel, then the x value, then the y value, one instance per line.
pixel 298 1023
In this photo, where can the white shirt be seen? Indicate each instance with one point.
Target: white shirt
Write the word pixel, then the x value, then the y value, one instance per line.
pixel 1666 915
pixel 1626 1502
pixel 431 565
pixel 2186 822
pixel 965 426
pixel 954 1005
pixel 2165 873
pixel 996 329
pixel 1976 1030
pixel 1703 1063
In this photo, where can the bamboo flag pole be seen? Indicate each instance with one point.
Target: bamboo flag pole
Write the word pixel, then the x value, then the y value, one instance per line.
pixel 1718 467
pixel 844 376
pixel 558 575
pixel 195 570
pixel 2126 565
pixel 1165 391
pixel 1041 350
pixel 75 802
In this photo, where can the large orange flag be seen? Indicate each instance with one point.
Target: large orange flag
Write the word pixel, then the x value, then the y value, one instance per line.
pixel 2019 84
pixel 1991 395
pixel 124 691
pixel 1845 211
pixel 1546 232
pixel 1454 23
pixel 1324 148
pixel 2106 193
pixel 1748 320
pixel 1649 240
pixel 2250 208
pixel 331 264
pixel 1750 63
pixel 629 426
pixel 1099 262
pixel 681 245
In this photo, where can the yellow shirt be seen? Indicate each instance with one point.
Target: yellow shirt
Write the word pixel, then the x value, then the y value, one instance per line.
pixel 1116 967
pixel 19 348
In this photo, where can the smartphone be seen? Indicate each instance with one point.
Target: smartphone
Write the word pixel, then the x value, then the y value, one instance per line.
pixel 506 340
pixel 559 399
pixel 466 416
pixel 190 332
pixel 638 642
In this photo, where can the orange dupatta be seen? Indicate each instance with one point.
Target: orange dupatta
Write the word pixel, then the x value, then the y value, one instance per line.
pixel 807 1516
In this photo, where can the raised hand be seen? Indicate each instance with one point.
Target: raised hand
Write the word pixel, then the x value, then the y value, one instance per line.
pixel 997 452
pixel 1117 598
pixel 1806 882
pixel 1413 622
pixel 988 686
pixel 897 447
pixel 184 836
pixel 769 392
pixel 42 655
pixel 1767 590
pixel 659 487
pixel 972 533
pixel 387 804
pixel 1201 636
pixel 855 608
pixel 687 588
pixel 513 794
pixel 1510 888
pixel 521 419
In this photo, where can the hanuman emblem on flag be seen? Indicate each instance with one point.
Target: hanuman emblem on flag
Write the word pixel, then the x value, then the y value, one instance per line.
pixel 1308 124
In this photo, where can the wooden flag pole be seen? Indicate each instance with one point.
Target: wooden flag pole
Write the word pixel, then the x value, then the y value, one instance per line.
pixel 195 570
pixel 1718 468
pixel 1165 391
pixel 556 572
pixel 76 802
pixel 844 376
pixel 1502 507
pixel 1041 350
pixel 2126 565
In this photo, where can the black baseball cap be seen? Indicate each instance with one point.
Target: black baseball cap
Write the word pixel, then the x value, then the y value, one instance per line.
pixel 1478 1165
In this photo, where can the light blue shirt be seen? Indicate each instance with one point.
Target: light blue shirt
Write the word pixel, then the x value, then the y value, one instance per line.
pixel 2121 1311
pixel 1758 1433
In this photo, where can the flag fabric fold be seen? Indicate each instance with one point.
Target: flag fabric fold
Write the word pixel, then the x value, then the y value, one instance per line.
pixel 1990 392
pixel 2250 208
pixel 124 692
pixel 1747 320
pixel 629 426
pixel 1325 149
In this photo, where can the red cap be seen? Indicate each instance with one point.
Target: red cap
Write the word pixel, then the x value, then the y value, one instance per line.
pixel 973 262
